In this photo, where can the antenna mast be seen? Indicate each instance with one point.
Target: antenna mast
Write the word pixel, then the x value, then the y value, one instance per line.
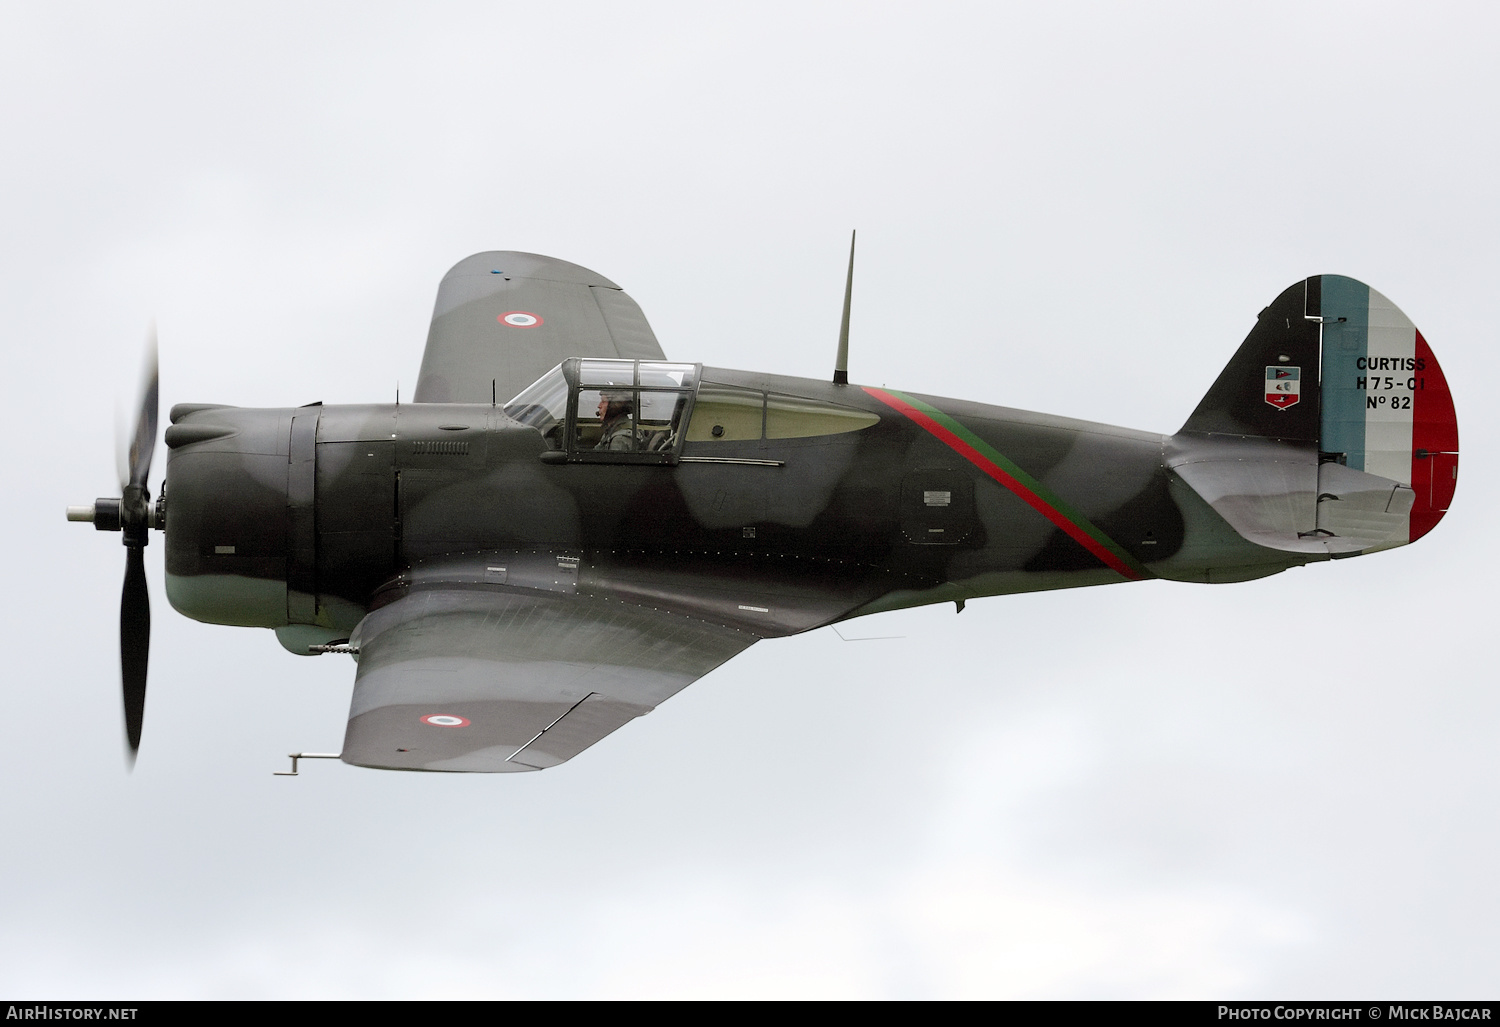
pixel 841 364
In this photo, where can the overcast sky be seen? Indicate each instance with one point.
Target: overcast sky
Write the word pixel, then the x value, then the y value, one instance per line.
pixel 1281 788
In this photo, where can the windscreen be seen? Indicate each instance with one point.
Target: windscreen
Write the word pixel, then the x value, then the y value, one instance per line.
pixel 543 404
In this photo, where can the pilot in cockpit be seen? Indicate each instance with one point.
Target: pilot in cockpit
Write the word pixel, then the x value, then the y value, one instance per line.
pixel 617 411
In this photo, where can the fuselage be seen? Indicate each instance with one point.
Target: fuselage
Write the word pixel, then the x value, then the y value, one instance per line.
pixel 304 519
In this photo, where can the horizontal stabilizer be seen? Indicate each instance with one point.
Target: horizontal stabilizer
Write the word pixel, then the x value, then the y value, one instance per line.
pixel 1278 495
pixel 1265 489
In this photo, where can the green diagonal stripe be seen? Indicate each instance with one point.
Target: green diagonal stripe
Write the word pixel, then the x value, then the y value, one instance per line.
pixel 1041 491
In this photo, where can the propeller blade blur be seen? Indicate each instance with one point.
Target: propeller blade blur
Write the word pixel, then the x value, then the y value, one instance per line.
pixel 143 441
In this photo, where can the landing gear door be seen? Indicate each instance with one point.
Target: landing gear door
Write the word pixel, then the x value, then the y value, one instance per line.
pixel 937 507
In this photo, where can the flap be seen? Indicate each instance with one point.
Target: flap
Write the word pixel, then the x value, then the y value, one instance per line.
pixel 494 681
pixel 509 318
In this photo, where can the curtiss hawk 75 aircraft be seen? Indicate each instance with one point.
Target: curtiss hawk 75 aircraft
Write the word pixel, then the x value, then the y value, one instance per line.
pixel 565 529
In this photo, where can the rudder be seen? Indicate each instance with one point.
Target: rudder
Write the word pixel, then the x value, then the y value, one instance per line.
pixel 1386 406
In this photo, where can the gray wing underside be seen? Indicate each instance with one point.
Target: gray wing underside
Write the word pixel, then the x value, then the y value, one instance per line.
pixel 582 314
pixel 538 678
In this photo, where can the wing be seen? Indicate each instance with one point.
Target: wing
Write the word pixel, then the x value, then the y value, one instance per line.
pixel 487 681
pixel 509 318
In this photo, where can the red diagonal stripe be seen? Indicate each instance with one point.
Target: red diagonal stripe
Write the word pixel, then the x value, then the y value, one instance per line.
pixel 999 474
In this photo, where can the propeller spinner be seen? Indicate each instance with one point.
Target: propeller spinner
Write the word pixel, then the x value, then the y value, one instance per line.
pixel 133 515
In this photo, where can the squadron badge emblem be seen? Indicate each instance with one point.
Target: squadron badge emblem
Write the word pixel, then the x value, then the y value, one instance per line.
pixel 1283 386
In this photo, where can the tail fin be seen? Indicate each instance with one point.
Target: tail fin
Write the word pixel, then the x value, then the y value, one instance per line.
pixel 1283 342
pixel 1340 386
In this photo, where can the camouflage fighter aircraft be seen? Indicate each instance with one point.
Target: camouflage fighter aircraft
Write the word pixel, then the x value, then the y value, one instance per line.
pixel 516 580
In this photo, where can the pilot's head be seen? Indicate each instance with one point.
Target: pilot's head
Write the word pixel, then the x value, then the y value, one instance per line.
pixel 615 403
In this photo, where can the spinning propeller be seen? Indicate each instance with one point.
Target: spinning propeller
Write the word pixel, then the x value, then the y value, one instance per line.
pixel 134 516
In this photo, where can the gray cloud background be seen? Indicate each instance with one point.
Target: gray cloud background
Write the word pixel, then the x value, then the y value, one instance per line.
pixel 1281 788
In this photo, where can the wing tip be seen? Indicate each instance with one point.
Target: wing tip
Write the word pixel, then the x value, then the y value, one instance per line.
pixel 520 264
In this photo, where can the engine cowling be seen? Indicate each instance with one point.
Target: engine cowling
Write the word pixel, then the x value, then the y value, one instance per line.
pixel 230 482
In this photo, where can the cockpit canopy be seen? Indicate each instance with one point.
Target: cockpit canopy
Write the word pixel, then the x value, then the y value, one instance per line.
pixel 612 409
pixel 643 411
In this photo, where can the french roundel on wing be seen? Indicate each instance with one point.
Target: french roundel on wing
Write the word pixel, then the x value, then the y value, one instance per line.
pixel 445 720
pixel 520 319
